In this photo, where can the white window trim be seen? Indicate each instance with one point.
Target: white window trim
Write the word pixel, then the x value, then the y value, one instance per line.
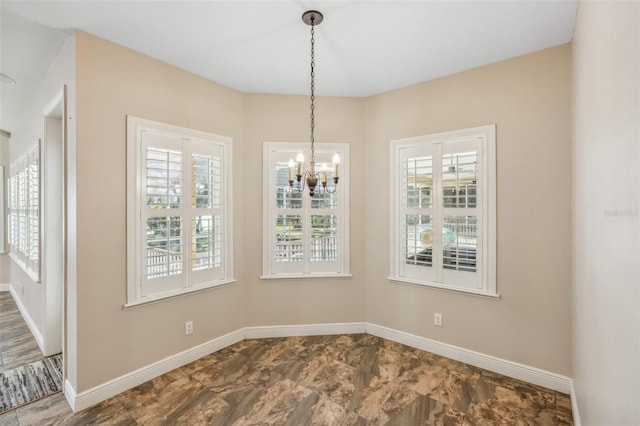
pixel 3 218
pixel 23 257
pixel 489 207
pixel 135 126
pixel 270 209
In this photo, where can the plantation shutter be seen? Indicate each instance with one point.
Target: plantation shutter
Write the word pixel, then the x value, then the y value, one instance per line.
pixel 440 212
pixel 305 235
pixel 206 218
pixel 183 213
pixel 163 214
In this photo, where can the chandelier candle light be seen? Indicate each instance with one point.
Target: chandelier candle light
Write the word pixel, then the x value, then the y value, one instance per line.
pixel 313 18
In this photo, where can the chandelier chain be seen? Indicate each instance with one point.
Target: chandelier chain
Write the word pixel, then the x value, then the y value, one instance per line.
pixel 313 65
pixel 313 179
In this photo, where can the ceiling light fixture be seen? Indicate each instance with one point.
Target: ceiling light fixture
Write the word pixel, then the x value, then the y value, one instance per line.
pixel 313 18
pixel 5 79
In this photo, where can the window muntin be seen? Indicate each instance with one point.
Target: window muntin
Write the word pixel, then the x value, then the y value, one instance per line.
pixel 304 236
pixel 443 210
pixel 180 242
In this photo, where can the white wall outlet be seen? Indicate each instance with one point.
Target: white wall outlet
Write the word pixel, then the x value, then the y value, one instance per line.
pixel 437 320
pixel 188 328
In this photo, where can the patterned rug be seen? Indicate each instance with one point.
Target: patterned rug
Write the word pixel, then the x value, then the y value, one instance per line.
pixel 32 382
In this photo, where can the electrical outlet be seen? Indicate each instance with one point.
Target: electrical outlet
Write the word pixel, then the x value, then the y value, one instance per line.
pixel 188 328
pixel 437 320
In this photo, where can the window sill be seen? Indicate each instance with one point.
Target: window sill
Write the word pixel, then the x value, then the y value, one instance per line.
pixel 304 276
pixel 451 289
pixel 184 292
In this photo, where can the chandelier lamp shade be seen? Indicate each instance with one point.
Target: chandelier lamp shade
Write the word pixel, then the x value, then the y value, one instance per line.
pixel 311 177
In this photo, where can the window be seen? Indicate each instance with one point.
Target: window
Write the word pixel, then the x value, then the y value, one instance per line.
pixel 24 212
pixel 2 217
pixel 179 210
pixel 443 210
pixel 304 236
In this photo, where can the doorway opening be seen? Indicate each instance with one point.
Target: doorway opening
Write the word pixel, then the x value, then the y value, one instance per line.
pixel 54 224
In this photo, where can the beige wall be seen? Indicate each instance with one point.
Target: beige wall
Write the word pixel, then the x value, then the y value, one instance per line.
pixel 112 82
pixel 30 128
pixel 4 268
pixel 606 301
pixel 273 118
pixel 528 98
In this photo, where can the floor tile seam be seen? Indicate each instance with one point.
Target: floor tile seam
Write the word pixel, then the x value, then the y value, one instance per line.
pixel 523 383
pixel 345 408
pixel 205 386
pixel 131 416
pixel 10 330
pixel 20 407
pixel 473 394
pixel 520 410
pixel 124 407
pixel 12 343
pixel 449 406
pixel 396 385
pixel 19 348
pixel 15 410
pixel 9 315
pixel 182 368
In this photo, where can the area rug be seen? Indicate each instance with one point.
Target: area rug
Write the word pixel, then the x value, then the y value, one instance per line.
pixel 22 385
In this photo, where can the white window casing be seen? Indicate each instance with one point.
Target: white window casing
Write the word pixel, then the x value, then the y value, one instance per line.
pixel 304 237
pixel 2 209
pixel 179 221
pixel 24 212
pixel 443 210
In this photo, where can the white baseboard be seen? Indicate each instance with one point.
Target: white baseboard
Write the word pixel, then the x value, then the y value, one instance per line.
pixel 27 318
pixel 5 287
pixel 85 399
pixel 498 365
pixel 574 406
pixel 70 395
pixel 304 330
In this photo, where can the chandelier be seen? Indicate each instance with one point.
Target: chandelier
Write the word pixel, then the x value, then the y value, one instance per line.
pixel 313 18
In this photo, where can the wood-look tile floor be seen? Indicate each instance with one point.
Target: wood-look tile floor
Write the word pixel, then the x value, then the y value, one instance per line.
pixel 322 380
pixel 17 345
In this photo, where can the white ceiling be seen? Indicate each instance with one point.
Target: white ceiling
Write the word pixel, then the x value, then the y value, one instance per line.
pixel 362 47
